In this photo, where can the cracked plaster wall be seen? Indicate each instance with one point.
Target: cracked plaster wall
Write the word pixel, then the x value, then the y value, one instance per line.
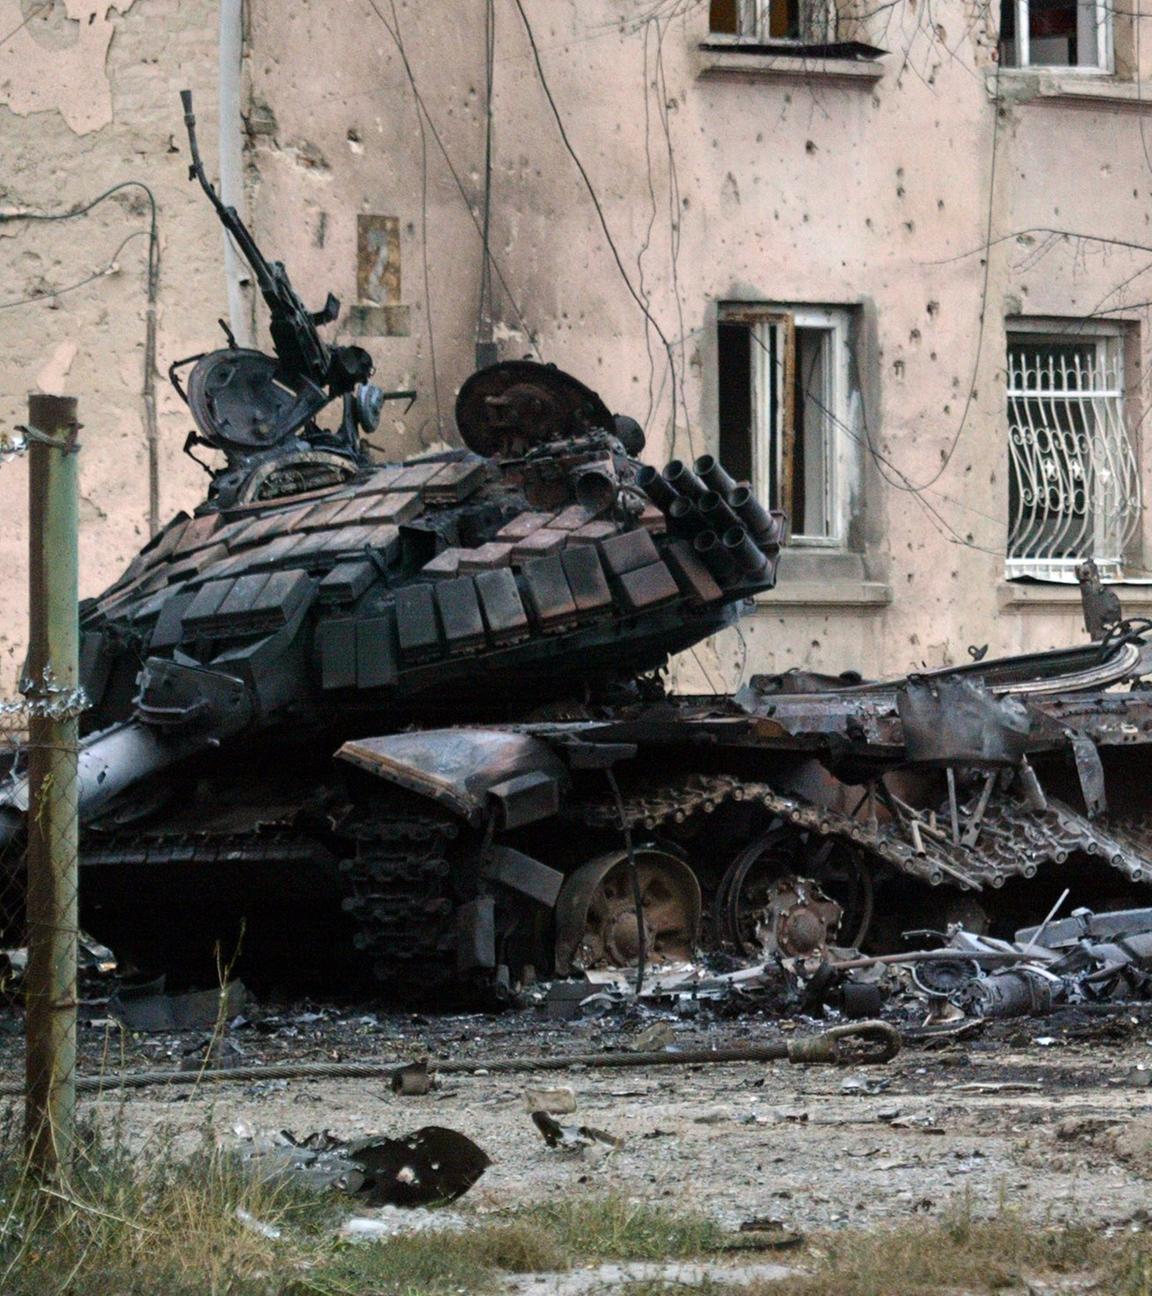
pixel 788 190
pixel 88 98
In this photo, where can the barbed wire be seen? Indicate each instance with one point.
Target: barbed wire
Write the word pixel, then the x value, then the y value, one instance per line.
pixel 47 697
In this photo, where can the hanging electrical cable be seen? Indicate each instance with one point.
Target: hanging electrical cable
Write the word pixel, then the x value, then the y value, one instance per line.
pixel 148 386
pixel 394 33
pixel 600 214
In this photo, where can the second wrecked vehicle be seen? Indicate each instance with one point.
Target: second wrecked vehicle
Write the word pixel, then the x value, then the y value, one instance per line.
pixel 269 764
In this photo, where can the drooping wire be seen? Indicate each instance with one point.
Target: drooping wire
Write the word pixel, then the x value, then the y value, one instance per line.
pixel 51 294
pixel 936 518
pixel 33 13
pixel 148 386
pixel 599 209
pixel 455 174
pixel 646 241
pixel 675 215
pixel 424 236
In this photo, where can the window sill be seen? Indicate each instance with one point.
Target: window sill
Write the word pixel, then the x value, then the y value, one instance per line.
pixel 1066 598
pixel 748 64
pixel 1085 89
pixel 834 593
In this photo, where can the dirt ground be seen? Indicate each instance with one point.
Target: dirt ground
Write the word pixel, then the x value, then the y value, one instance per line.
pixel 1049 1116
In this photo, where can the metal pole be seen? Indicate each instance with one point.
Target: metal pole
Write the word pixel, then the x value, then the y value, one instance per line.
pixel 52 762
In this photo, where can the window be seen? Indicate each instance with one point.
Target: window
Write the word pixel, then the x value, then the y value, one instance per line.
pixel 1073 482
pixel 786 411
pixel 1056 33
pixel 760 22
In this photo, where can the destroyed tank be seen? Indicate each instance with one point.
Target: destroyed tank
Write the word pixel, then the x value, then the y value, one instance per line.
pixel 318 596
pixel 408 720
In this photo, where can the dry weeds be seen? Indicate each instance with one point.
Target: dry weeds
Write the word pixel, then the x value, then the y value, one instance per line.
pixel 203 1224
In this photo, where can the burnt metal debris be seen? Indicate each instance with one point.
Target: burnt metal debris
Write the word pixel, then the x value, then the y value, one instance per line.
pixel 408 719
pixel 431 1166
pixel 1085 959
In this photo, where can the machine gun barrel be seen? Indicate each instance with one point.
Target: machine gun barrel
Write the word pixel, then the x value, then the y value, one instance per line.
pixel 304 357
pixel 228 215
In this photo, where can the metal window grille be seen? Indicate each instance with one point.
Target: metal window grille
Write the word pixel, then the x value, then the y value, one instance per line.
pixel 1074 484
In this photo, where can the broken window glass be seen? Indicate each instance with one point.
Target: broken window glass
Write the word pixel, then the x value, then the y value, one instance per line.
pixel 785 410
pixel 1055 33
pixel 761 21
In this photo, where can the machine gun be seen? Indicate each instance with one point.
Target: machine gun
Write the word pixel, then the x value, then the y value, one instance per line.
pixel 239 396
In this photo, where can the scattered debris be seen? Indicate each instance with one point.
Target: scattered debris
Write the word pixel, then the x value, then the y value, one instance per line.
pixel 572 1136
pixel 558 1101
pixel 253 1225
pixel 154 1011
pixel 1083 960
pixel 429 1166
pixel 660 1035
pixel 413 1079
pixel 764 1233
pixel 395 1221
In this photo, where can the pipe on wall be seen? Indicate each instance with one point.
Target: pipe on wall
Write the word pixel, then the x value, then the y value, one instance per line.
pixel 231 42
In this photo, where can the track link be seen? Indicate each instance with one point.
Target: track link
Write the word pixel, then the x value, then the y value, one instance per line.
pixel 400 897
pixel 1014 839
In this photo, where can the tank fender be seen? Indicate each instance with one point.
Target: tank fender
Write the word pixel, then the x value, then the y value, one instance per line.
pixel 520 872
pixel 472 772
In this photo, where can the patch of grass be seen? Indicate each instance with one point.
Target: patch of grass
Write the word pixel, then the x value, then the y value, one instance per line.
pixel 204 1225
pixel 136 1226
pixel 963 1253
pixel 614 1228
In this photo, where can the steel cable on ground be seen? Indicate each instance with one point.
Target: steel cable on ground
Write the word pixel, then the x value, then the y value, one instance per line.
pixel 822 1048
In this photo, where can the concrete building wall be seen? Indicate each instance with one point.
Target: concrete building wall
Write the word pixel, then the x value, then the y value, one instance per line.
pixel 732 178
pixel 722 178
pixel 89 98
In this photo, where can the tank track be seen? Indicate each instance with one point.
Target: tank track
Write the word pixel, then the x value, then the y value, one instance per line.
pixel 399 897
pixel 1014 839
pixel 397 883
pixel 261 845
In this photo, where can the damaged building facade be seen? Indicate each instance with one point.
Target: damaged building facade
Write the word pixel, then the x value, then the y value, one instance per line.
pixel 885 261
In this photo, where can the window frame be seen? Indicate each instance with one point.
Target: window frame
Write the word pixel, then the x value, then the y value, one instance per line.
pixel 770 441
pixel 1105 44
pixel 1111 339
pixel 754 25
